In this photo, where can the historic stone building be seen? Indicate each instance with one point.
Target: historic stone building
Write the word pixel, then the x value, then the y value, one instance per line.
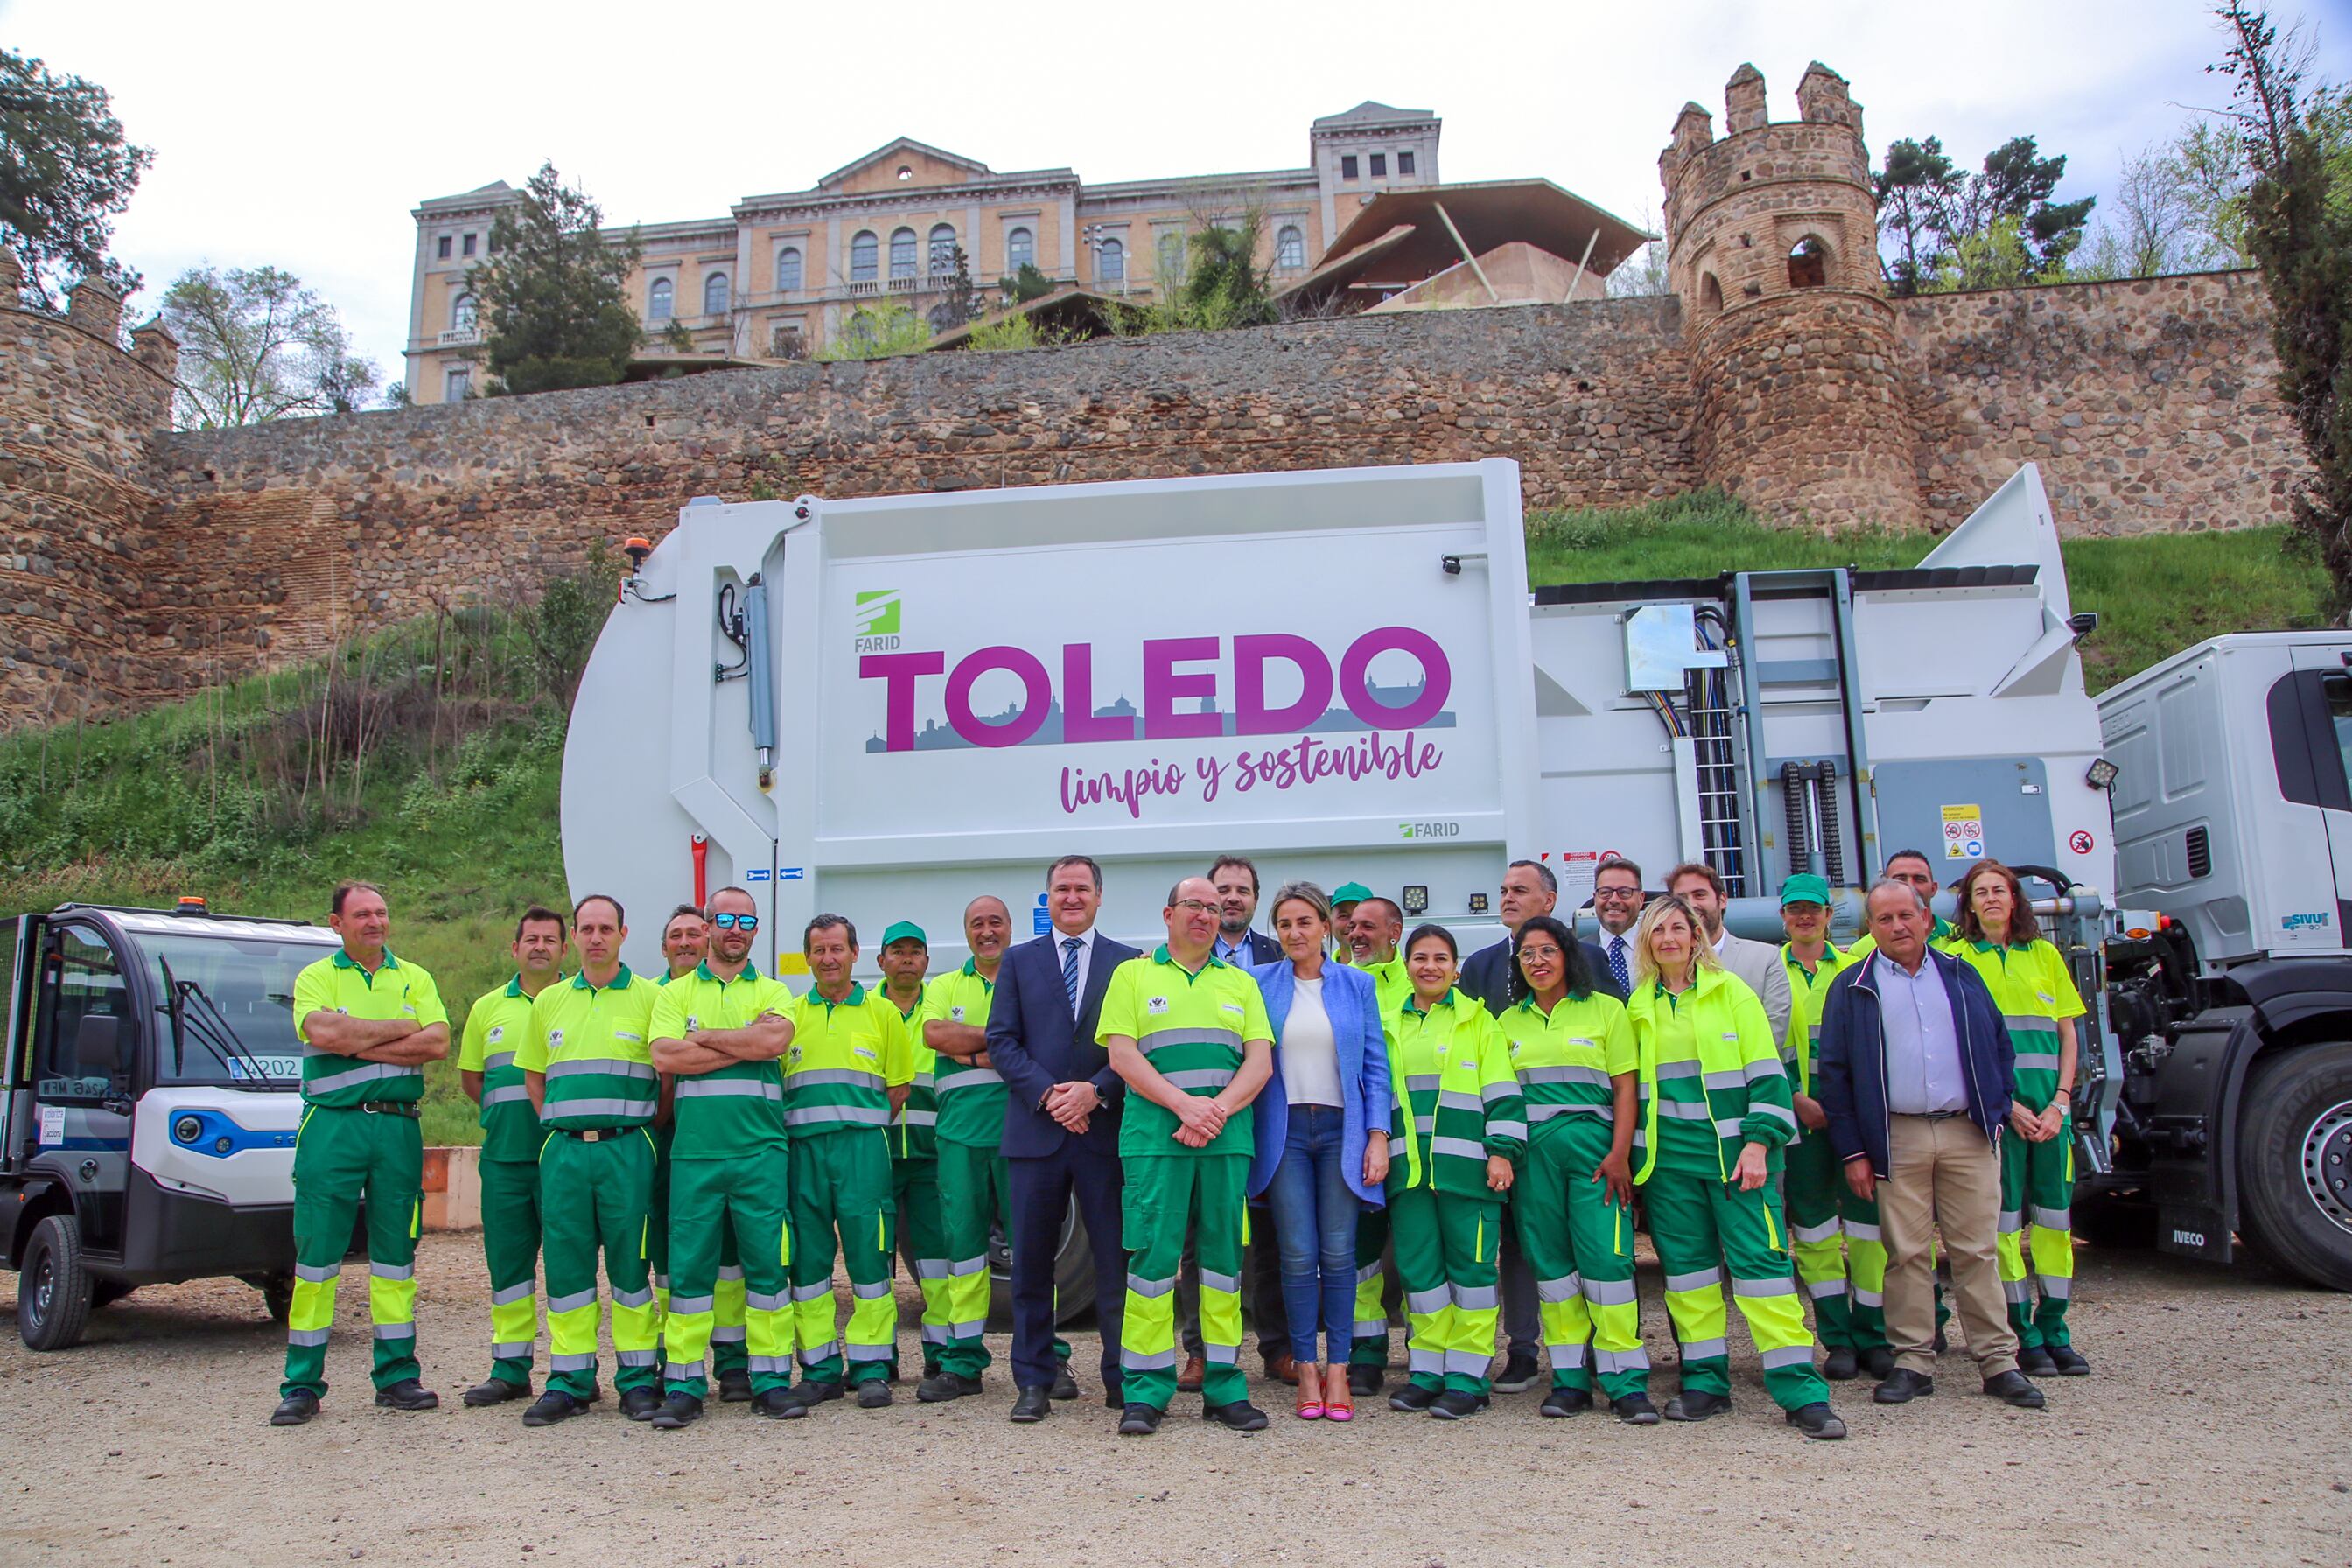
pixel 137 562
pixel 774 277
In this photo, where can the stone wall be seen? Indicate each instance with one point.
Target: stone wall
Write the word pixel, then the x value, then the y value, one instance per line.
pixel 2152 406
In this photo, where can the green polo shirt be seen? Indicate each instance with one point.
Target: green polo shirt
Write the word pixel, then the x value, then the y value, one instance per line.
pixel 846 1056
pixel 914 1129
pixel 970 1099
pixel 495 1025
pixel 733 1112
pixel 2032 988
pixel 1195 1028
pixel 338 984
pixel 594 1044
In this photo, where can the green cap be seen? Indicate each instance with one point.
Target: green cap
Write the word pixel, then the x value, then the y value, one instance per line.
pixel 906 931
pixel 1804 887
pixel 1349 893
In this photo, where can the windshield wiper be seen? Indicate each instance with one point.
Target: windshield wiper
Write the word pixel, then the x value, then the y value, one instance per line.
pixel 211 1028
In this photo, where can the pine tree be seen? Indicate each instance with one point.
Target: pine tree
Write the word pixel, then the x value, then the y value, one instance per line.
pixel 555 293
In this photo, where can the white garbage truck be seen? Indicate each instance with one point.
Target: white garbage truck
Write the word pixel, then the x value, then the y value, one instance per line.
pixel 884 707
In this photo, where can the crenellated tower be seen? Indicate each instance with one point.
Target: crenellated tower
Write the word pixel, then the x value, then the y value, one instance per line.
pixel 1771 236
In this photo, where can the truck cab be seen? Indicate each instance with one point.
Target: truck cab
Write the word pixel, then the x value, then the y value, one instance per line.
pixel 151 1095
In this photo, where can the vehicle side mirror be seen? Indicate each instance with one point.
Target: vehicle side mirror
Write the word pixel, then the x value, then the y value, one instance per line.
pixel 98 1044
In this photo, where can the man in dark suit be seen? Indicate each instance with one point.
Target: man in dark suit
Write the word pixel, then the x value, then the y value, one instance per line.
pixel 1061 1124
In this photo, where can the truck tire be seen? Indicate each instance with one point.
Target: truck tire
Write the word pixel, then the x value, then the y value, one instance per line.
pixel 2295 1163
pixel 1074 1275
pixel 53 1290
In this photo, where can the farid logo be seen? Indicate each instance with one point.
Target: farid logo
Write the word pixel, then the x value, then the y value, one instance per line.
pixel 1429 831
pixel 876 620
pixel 2316 920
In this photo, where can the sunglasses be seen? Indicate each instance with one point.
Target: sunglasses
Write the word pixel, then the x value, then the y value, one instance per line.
pixel 736 922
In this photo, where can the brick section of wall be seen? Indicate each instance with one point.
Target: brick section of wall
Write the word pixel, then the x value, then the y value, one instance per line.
pixel 2152 406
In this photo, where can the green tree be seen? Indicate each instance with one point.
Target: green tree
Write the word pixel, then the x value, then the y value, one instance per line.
pixel 1942 223
pixel 2298 224
pixel 1917 185
pixel 1027 284
pixel 960 300
pixel 553 293
pixel 65 170
pixel 878 332
pixel 1223 285
pixel 256 345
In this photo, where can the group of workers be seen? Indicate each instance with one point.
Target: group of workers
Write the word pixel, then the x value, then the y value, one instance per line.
pixel 706 1144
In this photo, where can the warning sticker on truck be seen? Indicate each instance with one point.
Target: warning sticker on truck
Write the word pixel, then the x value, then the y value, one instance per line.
pixel 1963 833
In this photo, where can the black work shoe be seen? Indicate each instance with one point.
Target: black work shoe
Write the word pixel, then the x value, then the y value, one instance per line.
pixel 1878 1363
pixel 941 1387
pixel 295 1409
pixel 2011 1388
pixel 1064 1385
pixel 639 1404
pixel 2071 1361
pixel 1454 1405
pixel 1241 1415
pixel 677 1410
pixel 2036 1362
pixel 408 1395
pixel 1567 1401
pixel 1691 1405
pixel 735 1386
pixel 1035 1403
pixel 1817 1420
pixel 778 1405
pixel 1839 1365
pixel 1635 1410
pixel 552 1406
pixel 1903 1386
pixel 1414 1398
pixel 873 1395
pixel 1365 1380
pixel 808 1395
pixel 1138 1421
pixel 495 1390
pixel 1518 1372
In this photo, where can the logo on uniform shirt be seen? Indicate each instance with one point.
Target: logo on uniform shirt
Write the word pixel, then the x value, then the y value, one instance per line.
pixel 554 1039
pixel 1234 1007
pixel 624 1035
pixel 1156 1005
pixel 865 1051
pixel 956 1013
pixel 498 1033
pixel 2047 999
pixel 793 1055
pixel 692 1023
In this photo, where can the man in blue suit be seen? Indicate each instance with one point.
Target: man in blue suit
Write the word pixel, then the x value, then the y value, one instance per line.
pixel 1061 1124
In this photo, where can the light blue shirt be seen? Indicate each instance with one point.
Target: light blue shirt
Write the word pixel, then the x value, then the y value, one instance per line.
pixel 1235 953
pixel 1923 1047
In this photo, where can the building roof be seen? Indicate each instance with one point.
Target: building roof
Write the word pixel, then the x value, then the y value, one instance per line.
pixel 893 149
pixel 1488 214
pixel 1077 313
pixel 479 195
pixel 1513 274
pixel 1370 112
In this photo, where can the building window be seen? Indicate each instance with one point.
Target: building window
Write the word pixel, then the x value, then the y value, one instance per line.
pixel 657 300
pixel 459 385
pixel 714 294
pixel 902 253
pixel 1379 165
pixel 943 250
pixel 469 248
pixel 1110 262
pixel 1710 294
pixel 461 313
pixel 1405 163
pixel 788 269
pixel 1347 165
pixel 1020 250
pixel 1809 263
pixel 1171 259
pixel 864 248
pixel 441 251
pixel 787 340
pixel 1290 247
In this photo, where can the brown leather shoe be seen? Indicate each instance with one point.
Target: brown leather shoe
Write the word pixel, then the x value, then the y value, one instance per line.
pixel 1189 1381
pixel 1283 1367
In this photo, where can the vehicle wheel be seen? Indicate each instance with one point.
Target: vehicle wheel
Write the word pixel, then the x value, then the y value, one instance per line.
pixel 2295 1163
pixel 53 1290
pixel 1074 1274
pixel 278 1297
pixel 107 1292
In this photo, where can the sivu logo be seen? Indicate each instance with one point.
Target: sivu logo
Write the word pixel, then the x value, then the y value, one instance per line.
pixel 2316 920
pixel 876 620
pixel 1429 831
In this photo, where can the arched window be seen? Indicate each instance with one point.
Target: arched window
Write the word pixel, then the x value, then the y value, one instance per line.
pixel 1019 250
pixel 902 253
pixel 657 300
pixel 1290 247
pixel 462 313
pixel 714 294
pixel 1710 294
pixel 788 269
pixel 1809 263
pixel 863 250
pixel 1171 259
pixel 943 250
pixel 1110 262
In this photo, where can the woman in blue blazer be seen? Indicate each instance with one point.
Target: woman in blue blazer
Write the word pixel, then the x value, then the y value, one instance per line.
pixel 1322 1138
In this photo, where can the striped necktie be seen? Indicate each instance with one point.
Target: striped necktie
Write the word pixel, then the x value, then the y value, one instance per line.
pixel 1070 948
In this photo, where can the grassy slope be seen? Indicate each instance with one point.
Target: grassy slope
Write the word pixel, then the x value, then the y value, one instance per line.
pixel 200 797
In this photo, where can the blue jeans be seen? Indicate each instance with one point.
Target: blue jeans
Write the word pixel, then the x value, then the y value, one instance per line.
pixel 1315 1221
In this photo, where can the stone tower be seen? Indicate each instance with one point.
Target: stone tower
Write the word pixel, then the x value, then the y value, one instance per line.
pixel 1771 245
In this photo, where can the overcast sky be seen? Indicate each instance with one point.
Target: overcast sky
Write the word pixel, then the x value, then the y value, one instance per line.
pixel 301 135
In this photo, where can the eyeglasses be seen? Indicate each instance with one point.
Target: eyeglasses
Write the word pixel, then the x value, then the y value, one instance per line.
pixel 1195 905
pixel 736 922
pixel 1627 895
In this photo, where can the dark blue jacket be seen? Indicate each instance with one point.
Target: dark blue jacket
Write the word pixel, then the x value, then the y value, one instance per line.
pixel 1353 1005
pixel 1852 1081
pixel 1486 973
pixel 1034 1044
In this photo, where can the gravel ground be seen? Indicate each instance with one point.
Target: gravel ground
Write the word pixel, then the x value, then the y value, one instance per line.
pixel 2212 1429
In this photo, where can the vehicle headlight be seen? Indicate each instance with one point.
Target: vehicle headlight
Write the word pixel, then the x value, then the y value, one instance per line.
pixel 187 1129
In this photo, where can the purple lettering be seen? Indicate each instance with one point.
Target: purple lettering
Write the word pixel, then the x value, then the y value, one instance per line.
pixel 1036 696
pixel 1079 722
pixel 898 672
pixel 1437 677
pixel 1251 717
pixel 1164 688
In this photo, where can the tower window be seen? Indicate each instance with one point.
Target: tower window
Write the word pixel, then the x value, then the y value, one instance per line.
pixel 1809 263
pixel 1405 163
pixel 441 251
pixel 1347 165
pixel 1710 294
pixel 1379 165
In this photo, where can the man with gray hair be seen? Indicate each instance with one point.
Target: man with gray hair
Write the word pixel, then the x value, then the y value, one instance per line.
pixel 1918 1076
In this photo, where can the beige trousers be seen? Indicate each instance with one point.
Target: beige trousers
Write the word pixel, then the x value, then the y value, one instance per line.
pixel 1944 1175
